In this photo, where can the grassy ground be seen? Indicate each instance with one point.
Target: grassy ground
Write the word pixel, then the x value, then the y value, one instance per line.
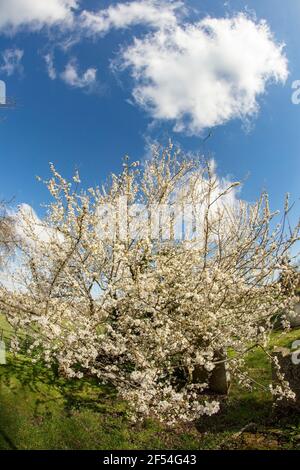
pixel 40 411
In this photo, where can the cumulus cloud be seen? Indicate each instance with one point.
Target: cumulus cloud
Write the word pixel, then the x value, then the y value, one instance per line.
pixel 35 14
pixel 50 66
pixel 33 233
pixel 196 75
pixel 204 74
pixel 154 13
pixel 72 77
pixel 29 226
pixel 11 61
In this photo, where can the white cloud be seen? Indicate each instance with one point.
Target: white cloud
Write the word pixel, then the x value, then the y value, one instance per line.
pixel 34 13
pixel 204 74
pixel 50 66
pixel 155 13
pixel 33 233
pixel 71 76
pixel 29 226
pixel 11 61
pixel 197 75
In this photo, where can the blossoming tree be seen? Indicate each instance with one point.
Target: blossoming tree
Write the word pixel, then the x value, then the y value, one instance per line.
pixel 7 238
pixel 146 279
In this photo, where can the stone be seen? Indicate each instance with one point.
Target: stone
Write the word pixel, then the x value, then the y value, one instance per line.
pixel 218 379
pixel 2 353
pixel 294 318
pixel 291 372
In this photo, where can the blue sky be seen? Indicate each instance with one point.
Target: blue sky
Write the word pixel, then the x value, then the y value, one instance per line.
pixel 82 114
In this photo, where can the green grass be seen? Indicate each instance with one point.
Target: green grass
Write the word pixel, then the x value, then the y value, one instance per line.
pixel 38 410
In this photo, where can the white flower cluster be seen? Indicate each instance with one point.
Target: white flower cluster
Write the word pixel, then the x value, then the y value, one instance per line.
pixel 281 390
pixel 144 314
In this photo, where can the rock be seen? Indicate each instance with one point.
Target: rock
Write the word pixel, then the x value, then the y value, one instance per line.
pixel 218 379
pixel 291 372
pixel 2 352
pixel 294 318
